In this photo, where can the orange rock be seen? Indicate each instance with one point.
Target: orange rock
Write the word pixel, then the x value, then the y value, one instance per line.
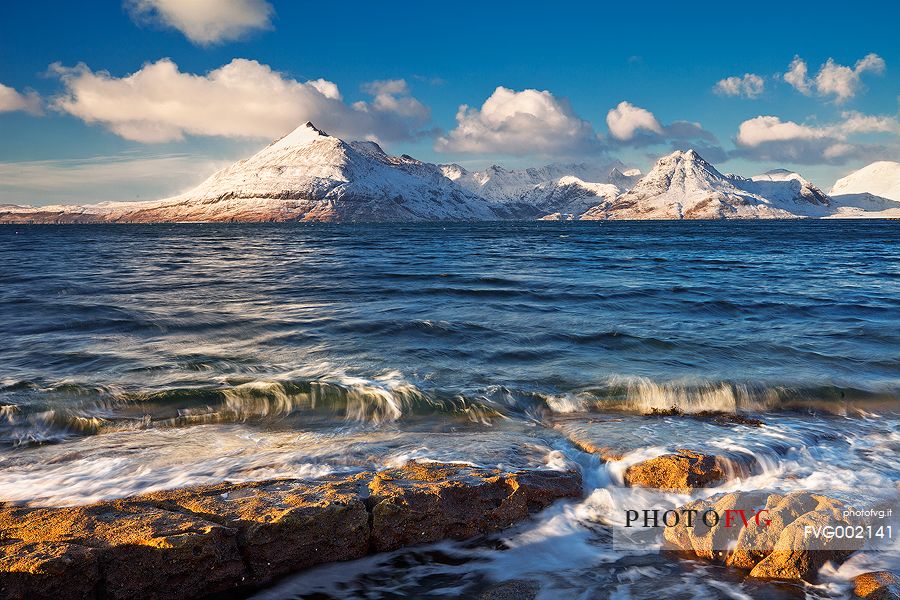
pixel 423 503
pixel 684 471
pixel 877 585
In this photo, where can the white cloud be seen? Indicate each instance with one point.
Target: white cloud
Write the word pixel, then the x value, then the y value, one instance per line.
pixel 748 86
pixel 631 125
pixel 833 79
pixel 796 75
pixel 625 120
pixel 770 138
pixel 518 123
pixel 243 98
pixel 760 130
pixel 392 96
pixel 856 122
pixel 101 178
pixel 13 101
pixel 204 21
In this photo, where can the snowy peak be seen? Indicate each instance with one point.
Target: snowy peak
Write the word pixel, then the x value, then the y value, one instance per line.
pixel 298 138
pixel 880 178
pixel 682 185
pixel 681 172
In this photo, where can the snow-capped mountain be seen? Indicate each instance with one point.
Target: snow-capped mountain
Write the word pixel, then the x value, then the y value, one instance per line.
pixel 307 175
pixel 684 186
pixel 880 178
pixel 870 192
pixel 787 188
pixel 569 189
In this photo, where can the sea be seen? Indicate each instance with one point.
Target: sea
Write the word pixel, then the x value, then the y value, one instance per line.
pixel 146 357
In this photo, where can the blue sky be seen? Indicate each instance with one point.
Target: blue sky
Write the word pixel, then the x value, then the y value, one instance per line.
pixel 77 134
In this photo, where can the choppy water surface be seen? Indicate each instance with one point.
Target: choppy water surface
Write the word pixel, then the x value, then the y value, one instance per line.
pixel 146 357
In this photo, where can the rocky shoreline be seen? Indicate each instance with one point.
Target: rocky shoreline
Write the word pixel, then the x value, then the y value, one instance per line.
pixel 229 539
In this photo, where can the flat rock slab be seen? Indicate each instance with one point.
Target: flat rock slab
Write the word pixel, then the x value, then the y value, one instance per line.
pixel 206 540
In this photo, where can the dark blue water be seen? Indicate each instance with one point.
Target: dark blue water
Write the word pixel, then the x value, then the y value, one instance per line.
pixel 811 307
pixel 144 357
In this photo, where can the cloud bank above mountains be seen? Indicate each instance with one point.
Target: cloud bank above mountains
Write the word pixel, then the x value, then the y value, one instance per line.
pixel 242 99
pixel 246 99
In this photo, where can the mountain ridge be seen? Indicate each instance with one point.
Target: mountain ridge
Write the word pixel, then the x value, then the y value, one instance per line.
pixel 308 175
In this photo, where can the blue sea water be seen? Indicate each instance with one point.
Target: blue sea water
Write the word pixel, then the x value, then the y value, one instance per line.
pixel 537 307
pixel 135 357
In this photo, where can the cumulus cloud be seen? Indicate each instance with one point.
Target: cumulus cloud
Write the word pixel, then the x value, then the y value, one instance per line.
pixel 13 101
pixel 392 96
pixel 625 120
pixel 519 123
pixel 631 125
pixel 770 138
pixel 797 77
pixel 160 103
pixel 204 22
pixel 747 86
pixel 833 79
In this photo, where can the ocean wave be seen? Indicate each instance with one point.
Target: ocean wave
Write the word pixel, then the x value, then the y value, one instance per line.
pixel 37 414
pixel 73 410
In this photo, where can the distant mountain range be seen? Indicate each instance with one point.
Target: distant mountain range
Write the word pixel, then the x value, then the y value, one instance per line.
pixel 309 175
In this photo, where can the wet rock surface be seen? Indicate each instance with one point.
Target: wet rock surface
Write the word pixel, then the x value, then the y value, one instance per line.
pixel 686 470
pixel 426 503
pixel 777 545
pixel 207 540
pixel 877 585
pixel 517 589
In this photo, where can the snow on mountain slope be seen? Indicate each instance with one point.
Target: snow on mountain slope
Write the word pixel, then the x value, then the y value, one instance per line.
pixel 787 189
pixel 864 206
pixel 624 179
pixel 535 192
pixel 879 179
pixel 684 186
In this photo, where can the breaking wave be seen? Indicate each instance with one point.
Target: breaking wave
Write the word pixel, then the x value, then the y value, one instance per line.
pixel 40 415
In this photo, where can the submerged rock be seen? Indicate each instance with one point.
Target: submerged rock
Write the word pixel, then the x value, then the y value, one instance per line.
pixel 877 585
pixel 776 544
pixel 209 540
pixel 685 471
